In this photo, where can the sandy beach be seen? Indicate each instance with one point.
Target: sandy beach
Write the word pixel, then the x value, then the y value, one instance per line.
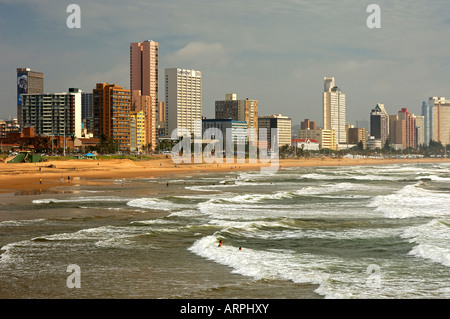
pixel 28 176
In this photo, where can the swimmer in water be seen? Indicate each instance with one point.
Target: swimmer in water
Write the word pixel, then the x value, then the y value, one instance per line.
pixel 220 243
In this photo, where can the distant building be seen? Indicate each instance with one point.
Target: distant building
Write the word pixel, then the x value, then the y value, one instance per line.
pixel 282 123
pixel 397 131
pixel 306 144
pixel 112 107
pixel 374 143
pixel 438 119
pixel 356 135
pixel 53 113
pixel 28 82
pixel 307 124
pixel 379 123
pixel 326 138
pixel 238 128
pixel 334 110
pixel 138 131
pixel 238 110
pixel 87 112
pixel 183 104
pixel 420 123
pixel 410 128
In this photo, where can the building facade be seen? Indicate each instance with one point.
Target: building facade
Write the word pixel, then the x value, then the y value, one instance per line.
pixel 112 107
pixel 326 138
pixel 334 110
pixel 238 110
pixel 379 124
pixel 87 113
pixel 410 127
pixel 308 124
pixel 28 81
pixel 356 135
pixel 238 129
pixel 438 122
pixel 183 103
pixel 53 114
pixel 280 122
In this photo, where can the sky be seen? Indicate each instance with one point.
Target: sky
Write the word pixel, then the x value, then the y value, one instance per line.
pixel 276 52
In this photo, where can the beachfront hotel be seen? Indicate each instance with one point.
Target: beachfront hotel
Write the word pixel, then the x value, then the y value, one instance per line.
pixel 112 107
pixel 183 103
pixel 326 138
pixel 334 110
pixel 52 114
pixel 238 110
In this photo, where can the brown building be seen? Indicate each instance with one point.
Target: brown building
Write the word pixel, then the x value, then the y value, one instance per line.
pixel 356 135
pixel 411 127
pixel 397 129
pixel 112 107
pixel 307 124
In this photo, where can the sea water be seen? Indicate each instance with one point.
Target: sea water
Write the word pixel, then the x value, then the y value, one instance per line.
pixel 324 232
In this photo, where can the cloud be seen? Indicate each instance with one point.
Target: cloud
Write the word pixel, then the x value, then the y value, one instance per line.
pixel 199 55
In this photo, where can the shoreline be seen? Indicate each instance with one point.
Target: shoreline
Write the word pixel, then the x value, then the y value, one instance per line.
pixel 26 176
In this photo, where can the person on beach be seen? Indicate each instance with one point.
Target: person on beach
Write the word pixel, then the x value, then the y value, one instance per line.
pixel 68 179
pixel 167 184
pixel 40 180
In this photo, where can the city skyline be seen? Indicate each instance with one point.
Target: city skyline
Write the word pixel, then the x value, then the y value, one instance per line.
pixel 279 55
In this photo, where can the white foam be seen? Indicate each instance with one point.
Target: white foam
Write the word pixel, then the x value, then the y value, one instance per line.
pixel 155 204
pixel 18 223
pixel 80 200
pixel 433 241
pixel 412 201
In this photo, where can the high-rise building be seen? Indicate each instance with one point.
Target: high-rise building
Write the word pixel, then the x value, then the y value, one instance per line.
pixel 379 123
pixel 112 107
pixel 144 69
pixel 87 112
pixel 57 114
pixel 137 131
pixel 28 81
pixel 144 85
pixel 143 103
pixel 307 124
pixel 238 110
pixel 334 112
pixel 439 119
pixel 427 113
pixel 411 130
pixel 397 132
pixel 161 118
pixel 420 122
pixel 183 100
pixel 282 123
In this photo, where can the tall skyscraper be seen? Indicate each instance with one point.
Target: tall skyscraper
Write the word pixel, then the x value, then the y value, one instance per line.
pixel 183 100
pixel 420 122
pixel 112 107
pixel 87 112
pixel 27 82
pixel 427 113
pixel 411 130
pixel 144 78
pixel 397 132
pixel 379 123
pixel 238 110
pixel 144 69
pixel 334 113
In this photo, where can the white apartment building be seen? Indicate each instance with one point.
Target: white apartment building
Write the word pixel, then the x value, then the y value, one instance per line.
pixel 334 110
pixel 183 105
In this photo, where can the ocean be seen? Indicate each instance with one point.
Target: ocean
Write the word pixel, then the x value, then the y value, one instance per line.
pixel 358 232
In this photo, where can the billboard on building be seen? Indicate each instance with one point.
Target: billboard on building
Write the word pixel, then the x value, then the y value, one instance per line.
pixel 22 86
